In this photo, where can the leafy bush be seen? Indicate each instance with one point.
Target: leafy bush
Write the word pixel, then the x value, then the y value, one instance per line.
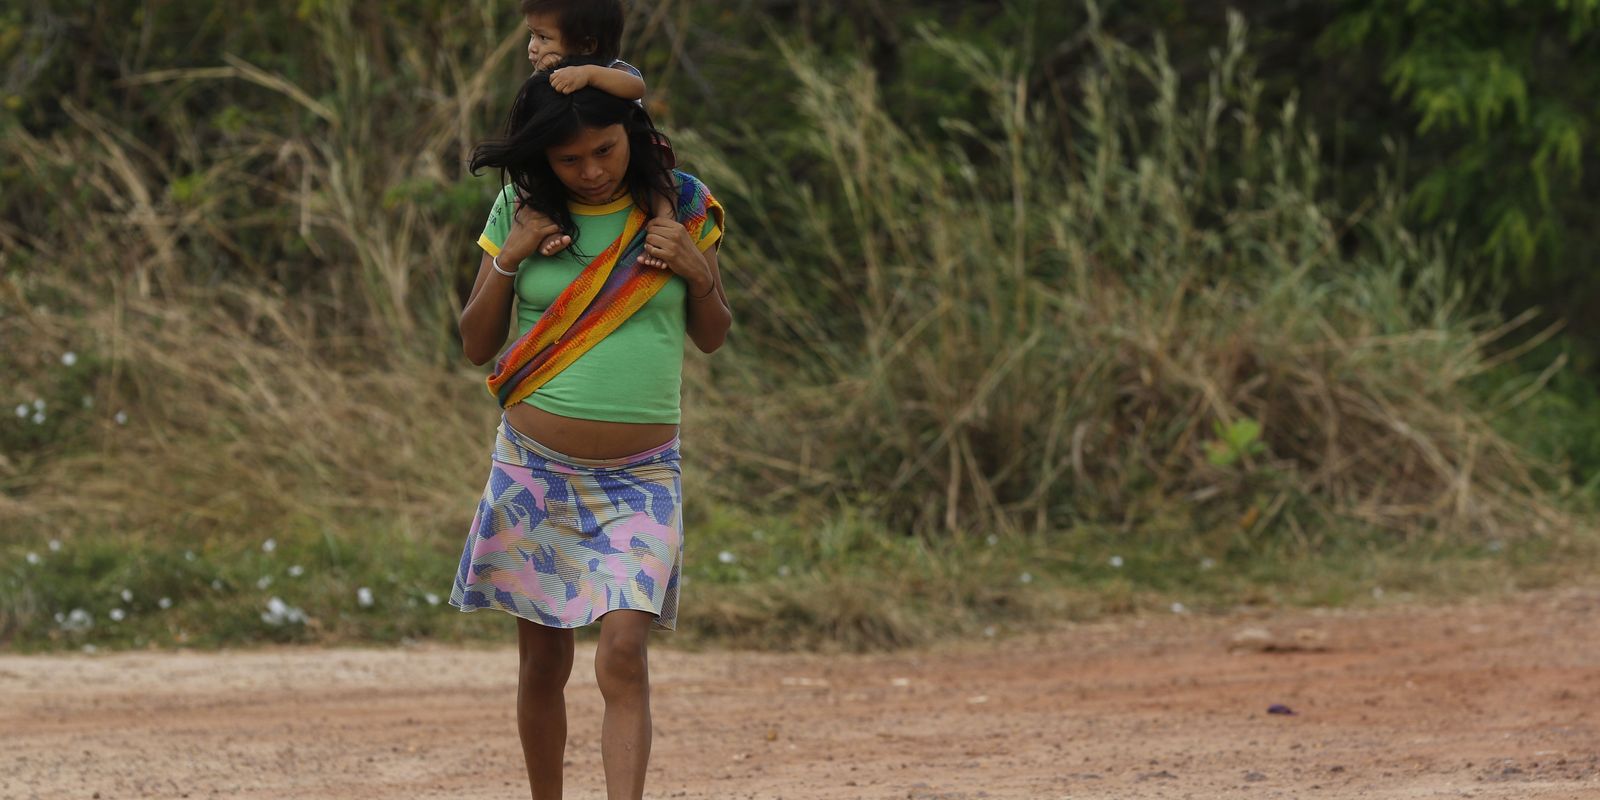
pixel 1503 97
pixel 1048 326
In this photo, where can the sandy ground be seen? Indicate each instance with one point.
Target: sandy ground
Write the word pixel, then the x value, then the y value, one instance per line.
pixel 1498 699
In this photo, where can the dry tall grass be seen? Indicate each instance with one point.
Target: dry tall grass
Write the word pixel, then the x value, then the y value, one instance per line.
pixel 1148 313
pixel 1014 324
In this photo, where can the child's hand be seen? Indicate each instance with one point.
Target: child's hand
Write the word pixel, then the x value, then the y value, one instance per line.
pixel 570 79
pixel 547 62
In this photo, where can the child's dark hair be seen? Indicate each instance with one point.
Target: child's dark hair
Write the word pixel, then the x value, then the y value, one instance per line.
pixel 542 118
pixel 594 25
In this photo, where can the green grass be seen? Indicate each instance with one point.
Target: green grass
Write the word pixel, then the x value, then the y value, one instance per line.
pixel 189 591
pixel 840 583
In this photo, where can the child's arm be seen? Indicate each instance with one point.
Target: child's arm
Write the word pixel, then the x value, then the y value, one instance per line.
pixel 615 82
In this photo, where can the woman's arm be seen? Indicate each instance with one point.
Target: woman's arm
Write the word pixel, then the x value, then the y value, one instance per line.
pixel 486 319
pixel 487 316
pixel 615 82
pixel 709 314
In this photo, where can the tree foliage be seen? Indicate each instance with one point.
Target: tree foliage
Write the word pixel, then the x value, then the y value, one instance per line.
pixel 1502 98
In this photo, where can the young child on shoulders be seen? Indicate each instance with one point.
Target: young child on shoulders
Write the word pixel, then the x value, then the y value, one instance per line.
pixel 593 28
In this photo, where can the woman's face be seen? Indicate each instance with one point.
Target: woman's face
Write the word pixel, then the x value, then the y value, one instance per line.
pixel 592 166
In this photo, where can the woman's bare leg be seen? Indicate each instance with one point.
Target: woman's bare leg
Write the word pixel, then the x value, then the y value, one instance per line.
pixel 623 671
pixel 546 661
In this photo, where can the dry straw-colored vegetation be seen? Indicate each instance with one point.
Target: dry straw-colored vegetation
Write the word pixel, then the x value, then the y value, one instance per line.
pixel 1142 315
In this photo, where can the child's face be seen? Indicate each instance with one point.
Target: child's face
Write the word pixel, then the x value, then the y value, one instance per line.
pixel 545 46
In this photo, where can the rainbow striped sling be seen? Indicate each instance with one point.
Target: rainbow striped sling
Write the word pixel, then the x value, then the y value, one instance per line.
pixel 598 301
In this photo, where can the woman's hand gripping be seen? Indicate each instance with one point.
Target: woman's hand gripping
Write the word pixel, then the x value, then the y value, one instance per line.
pixel 667 246
pixel 532 233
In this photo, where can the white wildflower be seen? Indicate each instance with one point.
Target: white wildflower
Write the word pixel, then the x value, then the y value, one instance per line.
pixel 121 417
pixel 60 617
pixel 32 558
pixel 1116 561
pixel 269 545
pixel 726 557
pixel 22 410
pixel 55 545
pixel 188 555
pixel 281 613
pixel 217 584
pixel 432 598
pixel 1026 577
pixel 88 401
pixel 165 602
pixel 78 620
pixel 783 571
pixel 1179 608
pixel 364 597
pixel 38 404
pixel 117 615
pixel 127 596
pixel 989 631
pixel 1208 563
pixel 69 358
pixel 296 571
pixel 38 417
pixel 264 582
pixel 991 540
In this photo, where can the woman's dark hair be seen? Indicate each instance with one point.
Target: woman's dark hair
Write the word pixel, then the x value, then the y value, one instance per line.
pixel 542 118
pixel 595 25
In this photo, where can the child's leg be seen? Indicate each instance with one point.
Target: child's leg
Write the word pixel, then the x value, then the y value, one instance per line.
pixel 661 208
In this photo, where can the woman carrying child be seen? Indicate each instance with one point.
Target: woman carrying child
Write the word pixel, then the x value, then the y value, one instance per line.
pixel 581 519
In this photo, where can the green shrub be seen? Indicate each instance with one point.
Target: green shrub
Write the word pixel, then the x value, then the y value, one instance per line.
pixel 1049 326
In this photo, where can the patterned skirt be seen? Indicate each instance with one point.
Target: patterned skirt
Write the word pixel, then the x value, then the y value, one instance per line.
pixel 561 541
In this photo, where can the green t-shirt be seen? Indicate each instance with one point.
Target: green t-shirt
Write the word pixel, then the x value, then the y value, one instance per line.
pixel 636 373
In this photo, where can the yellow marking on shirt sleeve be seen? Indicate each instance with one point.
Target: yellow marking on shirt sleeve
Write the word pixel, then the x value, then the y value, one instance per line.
pixel 706 243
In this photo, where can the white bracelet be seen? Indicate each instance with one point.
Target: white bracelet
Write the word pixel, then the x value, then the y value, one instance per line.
pixel 495 262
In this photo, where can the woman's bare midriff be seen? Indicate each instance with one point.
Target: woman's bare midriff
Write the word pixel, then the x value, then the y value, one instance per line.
pixel 587 438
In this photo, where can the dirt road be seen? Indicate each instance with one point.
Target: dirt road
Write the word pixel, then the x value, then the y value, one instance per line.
pixel 1492 700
